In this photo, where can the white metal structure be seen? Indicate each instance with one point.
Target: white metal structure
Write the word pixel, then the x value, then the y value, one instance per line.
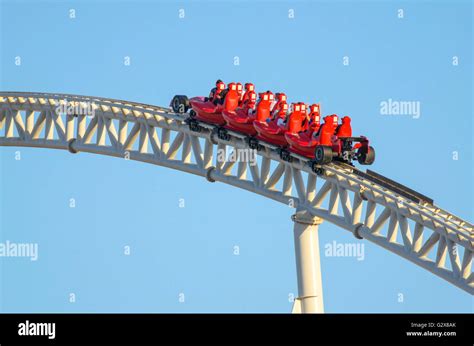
pixel 424 234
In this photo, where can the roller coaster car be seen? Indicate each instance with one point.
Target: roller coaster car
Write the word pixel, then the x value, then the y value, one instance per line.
pixel 304 142
pixel 267 129
pixel 200 108
pixel 207 109
pixel 273 131
pixel 241 119
pixel 333 142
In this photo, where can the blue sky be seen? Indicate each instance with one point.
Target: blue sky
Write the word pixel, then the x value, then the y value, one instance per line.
pixel 190 250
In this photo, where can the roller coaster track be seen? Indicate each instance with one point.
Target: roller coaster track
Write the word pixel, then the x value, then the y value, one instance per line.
pixel 422 233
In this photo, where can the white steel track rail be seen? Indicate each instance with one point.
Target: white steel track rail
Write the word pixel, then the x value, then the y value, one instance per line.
pixel 424 234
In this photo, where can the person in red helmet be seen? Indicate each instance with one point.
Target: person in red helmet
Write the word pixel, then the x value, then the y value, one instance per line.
pixel 304 117
pixel 314 117
pixel 280 114
pixel 280 98
pixel 240 91
pixel 271 98
pixel 249 104
pixel 249 87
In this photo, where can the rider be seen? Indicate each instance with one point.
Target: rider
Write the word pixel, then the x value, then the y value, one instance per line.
pixel 314 117
pixel 271 98
pixel 280 114
pixel 249 87
pixel 240 91
pixel 280 98
pixel 304 117
pixel 220 97
pixel 216 92
pixel 249 104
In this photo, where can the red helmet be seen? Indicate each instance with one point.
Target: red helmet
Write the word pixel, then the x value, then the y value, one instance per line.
pixel 303 107
pixel 252 98
pixel 315 118
pixel 249 87
pixel 232 86
pixel 280 97
pixel 314 108
pixel 220 85
pixel 239 87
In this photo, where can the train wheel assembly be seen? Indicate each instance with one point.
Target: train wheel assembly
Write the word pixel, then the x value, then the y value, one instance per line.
pixel 180 104
pixel 323 154
pixel 285 155
pixel 193 125
pixel 253 143
pixel 364 157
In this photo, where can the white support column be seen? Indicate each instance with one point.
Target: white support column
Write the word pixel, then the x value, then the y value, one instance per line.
pixel 308 266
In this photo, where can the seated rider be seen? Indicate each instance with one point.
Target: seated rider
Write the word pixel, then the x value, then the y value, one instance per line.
pixel 249 87
pixel 304 117
pixel 240 91
pixel 271 98
pixel 249 104
pixel 220 86
pixel 280 97
pixel 280 114
pixel 314 118
pixel 221 94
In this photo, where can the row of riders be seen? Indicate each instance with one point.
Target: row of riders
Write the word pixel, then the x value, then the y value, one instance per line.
pixel 270 107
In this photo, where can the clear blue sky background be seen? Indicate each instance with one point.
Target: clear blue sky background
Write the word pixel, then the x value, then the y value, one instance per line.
pixel 190 250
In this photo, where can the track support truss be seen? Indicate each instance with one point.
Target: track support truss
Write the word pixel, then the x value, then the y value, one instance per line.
pixel 424 234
